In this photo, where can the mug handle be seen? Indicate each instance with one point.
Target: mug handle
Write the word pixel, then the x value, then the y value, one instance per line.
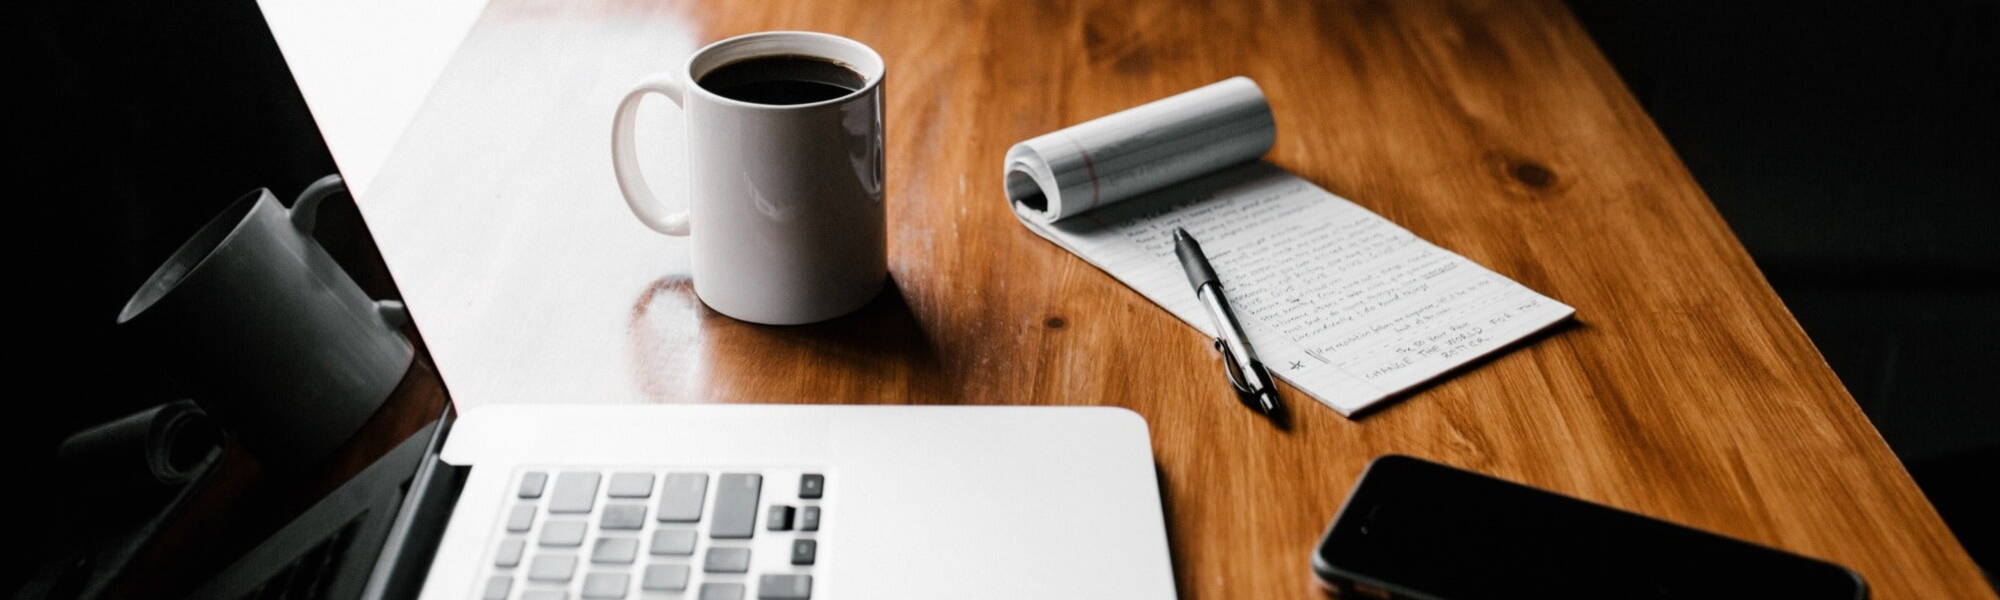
pixel 305 215
pixel 305 210
pixel 625 164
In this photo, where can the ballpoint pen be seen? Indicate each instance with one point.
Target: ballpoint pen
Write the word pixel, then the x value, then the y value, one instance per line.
pixel 1246 374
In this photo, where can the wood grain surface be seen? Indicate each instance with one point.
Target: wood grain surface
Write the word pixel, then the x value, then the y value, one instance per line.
pixel 1683 390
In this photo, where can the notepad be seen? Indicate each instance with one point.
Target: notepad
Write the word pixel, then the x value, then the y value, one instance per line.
pixel 1347 306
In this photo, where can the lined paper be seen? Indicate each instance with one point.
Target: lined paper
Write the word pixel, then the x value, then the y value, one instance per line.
pixel 1337 300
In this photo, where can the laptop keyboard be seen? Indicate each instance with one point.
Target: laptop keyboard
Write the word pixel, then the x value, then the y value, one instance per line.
pixel 657 533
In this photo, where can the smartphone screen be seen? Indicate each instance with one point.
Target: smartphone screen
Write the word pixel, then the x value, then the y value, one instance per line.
pixel 1418 529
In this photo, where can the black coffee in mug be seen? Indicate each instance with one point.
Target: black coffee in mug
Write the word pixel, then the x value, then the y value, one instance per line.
pixel 782 79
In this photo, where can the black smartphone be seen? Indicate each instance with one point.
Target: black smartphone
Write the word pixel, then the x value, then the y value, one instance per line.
pixel 1418 529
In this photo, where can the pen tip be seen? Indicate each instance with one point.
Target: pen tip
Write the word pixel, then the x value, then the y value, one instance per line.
pixel 1180 234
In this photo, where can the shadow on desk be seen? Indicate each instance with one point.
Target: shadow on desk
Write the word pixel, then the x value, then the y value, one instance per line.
pixel 733 361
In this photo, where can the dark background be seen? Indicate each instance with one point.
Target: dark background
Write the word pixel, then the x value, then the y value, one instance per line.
pixel 1852 147
pixel 141 121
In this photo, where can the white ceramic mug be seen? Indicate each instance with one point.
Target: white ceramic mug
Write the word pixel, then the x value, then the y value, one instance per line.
pixel 283 348
pixel 785 212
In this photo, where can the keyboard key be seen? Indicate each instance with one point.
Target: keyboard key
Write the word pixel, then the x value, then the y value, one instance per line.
pixel 623 516
pixel 809 518
pixel 575 492
pixel 521 518
pixel 568 534
pixel 630 485
pixel 804 551
pixel 531 484
pixel 497 588
pixel 812 485
pixel 668 578
pixel 606 585
pixel 552 567
pixel 785 587
pixel 681 496
pixel 736 505
pixel 673 542
pixel 614 551
pixel 779 518
pixel 721 591
pixel 544 595
pixel 726 560
pixel 510 552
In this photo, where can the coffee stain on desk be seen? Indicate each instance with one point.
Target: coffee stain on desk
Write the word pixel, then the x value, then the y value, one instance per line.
pixel 663 371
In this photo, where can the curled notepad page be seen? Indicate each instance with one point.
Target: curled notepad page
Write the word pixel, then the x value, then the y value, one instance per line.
pixel 1347 306
pixel 1069 171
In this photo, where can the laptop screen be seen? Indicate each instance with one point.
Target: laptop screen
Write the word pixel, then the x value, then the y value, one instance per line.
pixel 221 363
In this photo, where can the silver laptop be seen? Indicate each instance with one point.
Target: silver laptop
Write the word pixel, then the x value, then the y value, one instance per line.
pixel 798 502
pixel 738 501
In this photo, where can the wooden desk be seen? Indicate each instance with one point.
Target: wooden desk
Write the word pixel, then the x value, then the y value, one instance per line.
pixel 1684 390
